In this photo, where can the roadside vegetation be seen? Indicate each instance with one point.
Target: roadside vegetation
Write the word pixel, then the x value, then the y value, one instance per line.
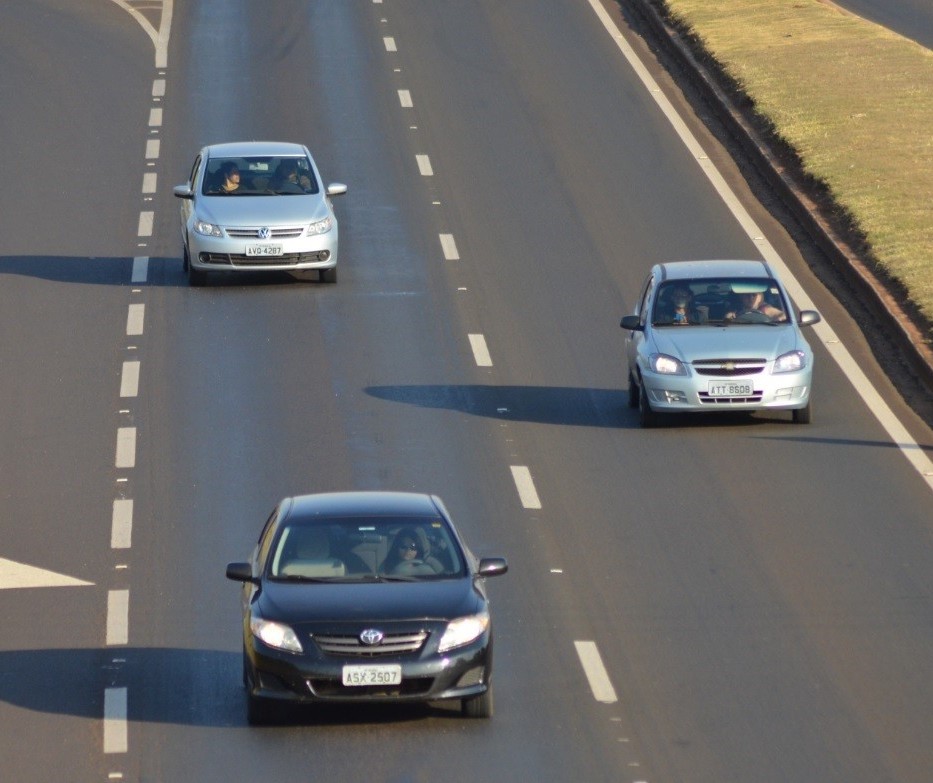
pixel 854 100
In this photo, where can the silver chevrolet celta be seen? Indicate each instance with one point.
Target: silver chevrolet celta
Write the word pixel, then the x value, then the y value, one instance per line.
pixel 717 336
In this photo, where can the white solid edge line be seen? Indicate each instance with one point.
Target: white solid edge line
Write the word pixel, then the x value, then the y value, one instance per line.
pixel 480 350
pixel 525 485
pixel 118 617
pixel 872 399
pixel 595 672
pixel 115 714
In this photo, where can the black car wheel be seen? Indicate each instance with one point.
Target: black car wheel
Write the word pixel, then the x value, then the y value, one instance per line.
pixel 802 415
pixel 478 706
pixel 646 416
pixel 328 275
pixel 632 391
pixel 257 711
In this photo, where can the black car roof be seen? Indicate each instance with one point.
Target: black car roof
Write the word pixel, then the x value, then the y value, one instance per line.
pixel 350 504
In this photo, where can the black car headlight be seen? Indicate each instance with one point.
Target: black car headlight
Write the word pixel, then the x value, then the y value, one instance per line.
pixel 277 635
pixel 463 630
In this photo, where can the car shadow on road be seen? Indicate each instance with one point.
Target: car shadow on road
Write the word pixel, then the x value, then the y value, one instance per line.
pixel 187 687
pixel 162 272
pixel 559 405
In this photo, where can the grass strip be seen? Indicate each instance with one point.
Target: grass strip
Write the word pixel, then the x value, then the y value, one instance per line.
pixel 854 100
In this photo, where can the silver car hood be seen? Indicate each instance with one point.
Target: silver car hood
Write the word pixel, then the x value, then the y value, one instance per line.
pixel 262 210
pixel 736 341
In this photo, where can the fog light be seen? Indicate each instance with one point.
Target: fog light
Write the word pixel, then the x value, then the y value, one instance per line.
pixel 323 255
pixel 674 396
pixel 472 677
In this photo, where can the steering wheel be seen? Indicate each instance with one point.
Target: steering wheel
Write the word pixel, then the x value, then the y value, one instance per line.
pixel 753 317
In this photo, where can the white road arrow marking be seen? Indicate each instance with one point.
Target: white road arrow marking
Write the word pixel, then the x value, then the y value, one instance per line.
pixel 13 574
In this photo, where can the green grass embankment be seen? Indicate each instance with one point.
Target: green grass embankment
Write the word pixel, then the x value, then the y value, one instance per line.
pixel 854 100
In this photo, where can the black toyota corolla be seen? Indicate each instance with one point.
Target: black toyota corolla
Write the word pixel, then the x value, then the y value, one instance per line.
pixel 365 596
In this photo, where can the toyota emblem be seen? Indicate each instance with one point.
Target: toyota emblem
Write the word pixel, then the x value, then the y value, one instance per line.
pixel 371 637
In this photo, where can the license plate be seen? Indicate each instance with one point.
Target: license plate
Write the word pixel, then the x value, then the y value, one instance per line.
pixel 263 250
pixel 730 389
pixel 384 674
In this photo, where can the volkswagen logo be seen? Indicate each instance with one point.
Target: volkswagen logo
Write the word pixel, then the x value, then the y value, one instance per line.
pixel 264 233
pixel 371 637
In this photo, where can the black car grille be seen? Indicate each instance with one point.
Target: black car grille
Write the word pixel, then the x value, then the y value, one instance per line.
pixel 392 644
pixel 289 232
pixel 728 368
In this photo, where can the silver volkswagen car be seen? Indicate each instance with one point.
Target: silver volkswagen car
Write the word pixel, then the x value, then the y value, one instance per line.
pixel 717 336
pixel 256 206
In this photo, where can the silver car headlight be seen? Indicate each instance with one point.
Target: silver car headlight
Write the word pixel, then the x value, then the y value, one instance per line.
pixel 320 227
pixel 277 635
pixel 207 229
pixel 663 364
pixel 463 630
pixel 792 361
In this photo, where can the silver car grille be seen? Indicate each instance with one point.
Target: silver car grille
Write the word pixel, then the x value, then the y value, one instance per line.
pixel 392 644
pixel 728 368
pixel 284 232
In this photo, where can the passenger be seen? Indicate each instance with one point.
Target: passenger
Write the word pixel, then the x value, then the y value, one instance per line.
pixel 286 179
pixel 753 307
pixel 229 179
pixel 677 307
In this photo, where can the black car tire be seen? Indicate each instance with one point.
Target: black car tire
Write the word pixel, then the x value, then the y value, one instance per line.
pixel 195 276
pixel 632 391
pixel 646 416
pixel 257 711
pixel 478 706
pixel 328 275
pixel 802 415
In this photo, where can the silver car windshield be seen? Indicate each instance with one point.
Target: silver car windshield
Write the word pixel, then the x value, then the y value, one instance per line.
pixel 719 301
pixel 269 175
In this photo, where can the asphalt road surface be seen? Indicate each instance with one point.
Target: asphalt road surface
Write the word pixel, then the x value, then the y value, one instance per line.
pixel 910 18
pixel 728 599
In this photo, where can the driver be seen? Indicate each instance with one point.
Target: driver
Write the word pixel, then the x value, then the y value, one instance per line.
pixel 755 303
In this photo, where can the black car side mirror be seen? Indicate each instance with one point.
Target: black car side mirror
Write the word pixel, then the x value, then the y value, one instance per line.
pixel 492 566
pixel 240 572
pixel 632 322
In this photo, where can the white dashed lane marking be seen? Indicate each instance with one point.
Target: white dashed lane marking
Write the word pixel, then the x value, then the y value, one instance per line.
pixel 390 44
pixel 129 380
pixel 152 149
pixel 121 528
pixel 404 97
pixel 115 720
pixel 126 447
pixel 449 246
pixel 596 673
pixel 480 350
pixel 424 165
pixel 145 224
pixel 134 319
pixel 140 269
pixel 118 617
pixel 525 485
pixel 155 117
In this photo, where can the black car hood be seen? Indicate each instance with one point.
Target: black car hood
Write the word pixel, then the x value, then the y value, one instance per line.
pixel 383 601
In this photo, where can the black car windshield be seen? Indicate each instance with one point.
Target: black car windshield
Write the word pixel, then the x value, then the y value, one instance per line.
pixel 362 549
pixel 719 301
pixel 269 175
